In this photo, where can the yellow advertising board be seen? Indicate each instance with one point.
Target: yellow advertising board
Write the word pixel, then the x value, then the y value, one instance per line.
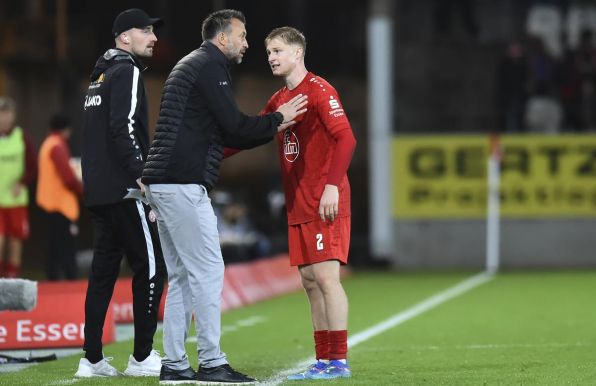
pixel 541 176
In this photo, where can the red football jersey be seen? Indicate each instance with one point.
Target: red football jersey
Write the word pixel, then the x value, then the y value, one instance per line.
pixel 306 148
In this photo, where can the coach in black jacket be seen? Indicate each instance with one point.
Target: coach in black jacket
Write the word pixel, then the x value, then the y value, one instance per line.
pixel 197 118
pixel 115 133
pixel 115 145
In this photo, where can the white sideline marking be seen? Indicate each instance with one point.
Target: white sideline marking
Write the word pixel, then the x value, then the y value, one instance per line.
pixel 495 346
pixel 522 345
pixel 65 382
pixel 393 321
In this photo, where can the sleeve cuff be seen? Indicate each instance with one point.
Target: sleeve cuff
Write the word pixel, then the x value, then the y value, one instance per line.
pixel 279 118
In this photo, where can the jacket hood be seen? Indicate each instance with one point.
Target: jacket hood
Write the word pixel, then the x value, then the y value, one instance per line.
pixel 112 57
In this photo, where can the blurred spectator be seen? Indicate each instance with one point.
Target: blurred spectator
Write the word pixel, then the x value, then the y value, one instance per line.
pixel 58 193
pixel 276 225
pixel 542 68
pixel 543 110
pixel 543 115
pixel 584 70
pixel 579 88
pixel 277 205
pixel 545 21
pixel 581 16
pixel 570 94
pixel 512 82
pixel 17 170
pixel 239 239
pixel 442 15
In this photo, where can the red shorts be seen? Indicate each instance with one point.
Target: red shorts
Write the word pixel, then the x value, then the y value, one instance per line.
pixel 14 222
pixel 317 241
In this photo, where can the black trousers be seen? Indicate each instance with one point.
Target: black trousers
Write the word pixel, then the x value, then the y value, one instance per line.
pixel 121 229
pixel 60 261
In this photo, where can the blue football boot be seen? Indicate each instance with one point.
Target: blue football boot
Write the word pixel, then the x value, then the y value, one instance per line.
pixel 335 369
pixel 309 373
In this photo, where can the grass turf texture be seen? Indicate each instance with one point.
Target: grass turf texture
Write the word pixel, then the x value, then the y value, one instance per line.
pixel 518 329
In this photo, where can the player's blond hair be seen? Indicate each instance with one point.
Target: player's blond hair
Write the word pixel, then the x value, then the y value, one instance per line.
pixel 288 35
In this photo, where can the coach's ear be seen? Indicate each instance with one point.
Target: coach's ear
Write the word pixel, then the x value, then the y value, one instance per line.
pixel 222 39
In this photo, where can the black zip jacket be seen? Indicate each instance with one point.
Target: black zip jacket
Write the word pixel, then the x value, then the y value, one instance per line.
pixel 115 133
pixel 198 116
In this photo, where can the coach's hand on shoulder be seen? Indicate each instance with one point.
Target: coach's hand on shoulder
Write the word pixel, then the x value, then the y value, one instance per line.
pixel 328 207
pixel 291 110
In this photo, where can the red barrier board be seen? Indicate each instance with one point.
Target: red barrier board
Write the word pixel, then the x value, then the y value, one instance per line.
pixel 121 302
pixel 230 297
pixel 262 279
pixel 57 321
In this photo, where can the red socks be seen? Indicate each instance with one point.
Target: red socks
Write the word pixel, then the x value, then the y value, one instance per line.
pixel 322 344
pixel 338 344
pixel 331 344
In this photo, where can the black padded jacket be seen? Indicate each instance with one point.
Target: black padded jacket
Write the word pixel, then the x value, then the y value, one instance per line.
pixel 198 117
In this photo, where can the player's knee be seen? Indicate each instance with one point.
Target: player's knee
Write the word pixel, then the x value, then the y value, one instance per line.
pixel 309 283
pixel 326 279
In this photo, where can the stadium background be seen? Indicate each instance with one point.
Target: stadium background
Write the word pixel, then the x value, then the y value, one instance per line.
pixel 445 79
pixel 448 93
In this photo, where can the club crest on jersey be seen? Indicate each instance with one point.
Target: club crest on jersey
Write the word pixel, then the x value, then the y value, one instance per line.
pixel 291 146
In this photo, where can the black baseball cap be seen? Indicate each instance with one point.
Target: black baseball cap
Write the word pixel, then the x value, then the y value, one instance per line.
pixel 134 18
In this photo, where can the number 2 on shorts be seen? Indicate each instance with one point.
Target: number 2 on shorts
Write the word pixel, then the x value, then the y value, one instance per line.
pixel 319 237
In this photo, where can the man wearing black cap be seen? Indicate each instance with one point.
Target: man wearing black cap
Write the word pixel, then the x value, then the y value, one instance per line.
pixel 114 148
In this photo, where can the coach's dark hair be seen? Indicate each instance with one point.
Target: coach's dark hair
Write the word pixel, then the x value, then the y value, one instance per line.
pixel 219 21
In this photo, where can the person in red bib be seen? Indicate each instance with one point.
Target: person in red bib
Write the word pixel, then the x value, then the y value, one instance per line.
pixel 315 153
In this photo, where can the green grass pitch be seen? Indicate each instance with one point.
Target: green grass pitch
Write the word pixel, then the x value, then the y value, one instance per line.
pixel 534 328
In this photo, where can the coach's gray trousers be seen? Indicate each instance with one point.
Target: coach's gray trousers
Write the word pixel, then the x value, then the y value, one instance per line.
pixel 190 242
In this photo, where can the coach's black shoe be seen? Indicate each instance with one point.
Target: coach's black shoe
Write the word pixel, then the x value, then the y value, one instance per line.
pixel 223 374
pixel 168 376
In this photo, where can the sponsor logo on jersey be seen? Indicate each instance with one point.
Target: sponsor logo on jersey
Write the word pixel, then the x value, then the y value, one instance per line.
pixel 333 103
pixel 92 100
pixel 336 109
pixel 97 83
pixel 291 146
pixel 223 83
